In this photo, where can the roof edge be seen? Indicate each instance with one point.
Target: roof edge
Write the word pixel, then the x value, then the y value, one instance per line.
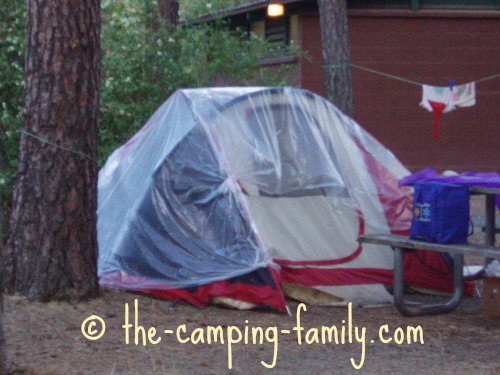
pixel 247 7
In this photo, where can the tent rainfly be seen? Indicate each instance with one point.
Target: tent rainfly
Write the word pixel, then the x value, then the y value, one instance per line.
pixel 243 195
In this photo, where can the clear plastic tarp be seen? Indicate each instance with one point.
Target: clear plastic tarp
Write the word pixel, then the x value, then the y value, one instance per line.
pixel 222 181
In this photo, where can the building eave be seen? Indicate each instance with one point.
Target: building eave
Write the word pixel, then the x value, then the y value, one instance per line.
pixel 239 9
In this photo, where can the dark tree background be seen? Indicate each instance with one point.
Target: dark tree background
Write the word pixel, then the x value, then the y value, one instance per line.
pixel 169 11
pixel 163 13
pixel 52 248
pixel 336 56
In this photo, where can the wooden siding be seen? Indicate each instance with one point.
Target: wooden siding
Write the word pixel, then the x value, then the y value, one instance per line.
pixel 429 50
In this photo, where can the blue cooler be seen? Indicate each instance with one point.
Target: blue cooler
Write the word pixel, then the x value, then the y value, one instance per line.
pixel 441 212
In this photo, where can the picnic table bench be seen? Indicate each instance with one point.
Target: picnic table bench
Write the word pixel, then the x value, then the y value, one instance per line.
pixel 402 244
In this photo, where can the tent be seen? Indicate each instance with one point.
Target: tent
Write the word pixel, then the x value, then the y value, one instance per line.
pixel 238 195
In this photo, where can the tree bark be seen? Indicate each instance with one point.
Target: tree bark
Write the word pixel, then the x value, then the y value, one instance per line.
pixel 52 248
pixel 166 14
pixel 336 55
pixel 3 359
pixel 169 11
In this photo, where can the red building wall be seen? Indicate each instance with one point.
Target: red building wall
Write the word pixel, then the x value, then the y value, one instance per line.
pixel 429 49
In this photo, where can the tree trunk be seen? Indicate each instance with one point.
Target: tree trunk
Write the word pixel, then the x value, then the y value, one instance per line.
pixel 52 248
pixel 166 13
pixel 335 43
pixel 3 359
pixel 169 11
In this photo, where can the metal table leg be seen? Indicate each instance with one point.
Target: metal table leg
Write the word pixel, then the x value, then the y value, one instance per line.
pixel 451 304
pixel 489 231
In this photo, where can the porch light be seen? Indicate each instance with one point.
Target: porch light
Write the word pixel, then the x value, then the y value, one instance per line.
pixel 275 10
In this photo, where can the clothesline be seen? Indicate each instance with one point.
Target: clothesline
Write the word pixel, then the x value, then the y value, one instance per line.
pixel 402 79
pixel 435 99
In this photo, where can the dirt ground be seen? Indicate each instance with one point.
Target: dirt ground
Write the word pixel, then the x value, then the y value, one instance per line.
pixel 48 338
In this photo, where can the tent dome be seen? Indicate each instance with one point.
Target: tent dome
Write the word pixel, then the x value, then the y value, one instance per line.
pixel 235 193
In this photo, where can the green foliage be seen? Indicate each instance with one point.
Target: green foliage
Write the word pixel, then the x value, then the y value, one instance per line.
pixel 191 9
pixel 142 63
pixel 11 98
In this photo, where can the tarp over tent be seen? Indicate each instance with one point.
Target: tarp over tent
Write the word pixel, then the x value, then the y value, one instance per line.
pixel 232 193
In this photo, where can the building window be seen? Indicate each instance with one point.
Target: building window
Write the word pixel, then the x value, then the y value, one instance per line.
pixel 280 32
pixel 276 32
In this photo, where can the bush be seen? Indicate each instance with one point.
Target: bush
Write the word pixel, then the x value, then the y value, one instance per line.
pixel 141 66
pixel 11 99
pixel 192 9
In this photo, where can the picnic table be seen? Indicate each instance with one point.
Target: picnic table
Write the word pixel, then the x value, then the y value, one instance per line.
pixel 402 244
